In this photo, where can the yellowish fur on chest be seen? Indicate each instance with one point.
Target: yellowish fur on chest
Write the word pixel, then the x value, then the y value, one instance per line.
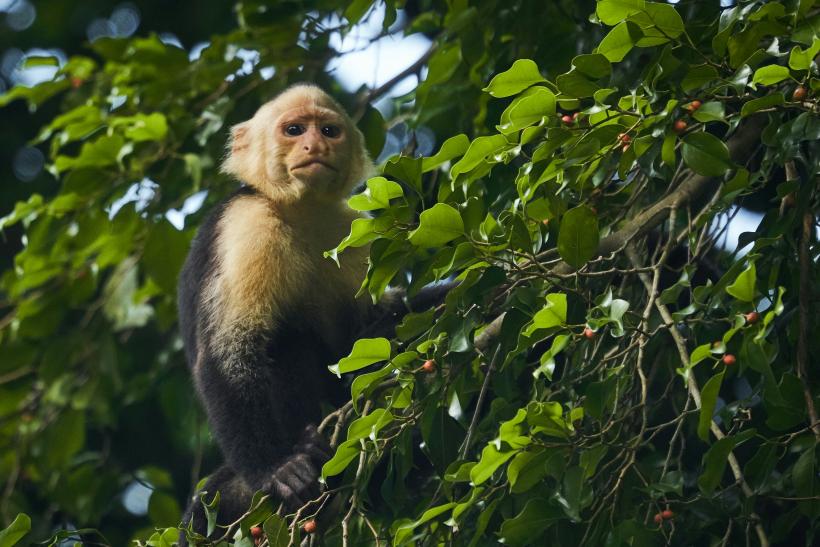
pixel 267 267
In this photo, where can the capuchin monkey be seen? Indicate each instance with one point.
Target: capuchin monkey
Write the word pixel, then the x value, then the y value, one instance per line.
pixel 262 312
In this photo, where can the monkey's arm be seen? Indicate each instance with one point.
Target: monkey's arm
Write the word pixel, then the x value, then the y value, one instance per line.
pixel 260 413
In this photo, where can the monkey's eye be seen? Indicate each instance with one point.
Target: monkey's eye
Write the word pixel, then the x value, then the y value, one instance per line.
pixel 331 131
pixel 294 130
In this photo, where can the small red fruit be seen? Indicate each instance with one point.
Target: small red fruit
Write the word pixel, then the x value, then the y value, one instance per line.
pixel 567 119
pixel 680 126
pixel 310 526
pixel 624 138
pixel 667 514
pixel 729 359
pixel 800 93
pixel 429 366
pixel 694 105
pixel 257 532
pixel 658 518
pixel 575 115
pixel 752 317
pixel 76 82
pixel 589 334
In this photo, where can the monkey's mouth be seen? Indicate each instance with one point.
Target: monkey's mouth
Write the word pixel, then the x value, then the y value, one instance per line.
pixel 314 163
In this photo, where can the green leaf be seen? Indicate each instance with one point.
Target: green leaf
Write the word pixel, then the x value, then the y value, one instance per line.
pixel 452 147
pixel 277 532
pixel 659 23
pixel 705 154
pixel 578 236
pixel 164 254
pixel 709 396
pixel 575 84
pixel 612 12
pixel 698 76
pixel 767 101
pixel 366 351
pixel 744 286
pixel 619 41
pixel 593 65
pixel 528 110
pixel 528 525
pixel 363 382
pixel 769 75
pixel 491 459
pixel 345 453
pixel 20 526
pixel 163 509
pixel 356 10
pixel 522 74
pixel 806 482
pixel 372 126
pixel 404 531
pixel 479 149
pixel 40 60
pixel 442 436
pixel 710 111
pixel 152 127
pixel 437 226
pixel 553 314
pixel 800 59
pixel 101 152
pixel 405 169
pixel 362 428
pixel 714 461
pixel 527 469
pixel 699 354
pixel 377 195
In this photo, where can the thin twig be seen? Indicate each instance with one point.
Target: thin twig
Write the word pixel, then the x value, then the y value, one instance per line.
pixel 694 392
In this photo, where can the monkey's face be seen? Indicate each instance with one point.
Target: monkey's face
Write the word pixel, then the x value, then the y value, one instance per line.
pixel 299 145
pixel 314 147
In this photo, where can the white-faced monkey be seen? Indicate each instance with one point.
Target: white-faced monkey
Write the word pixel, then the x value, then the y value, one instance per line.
pixel 262 312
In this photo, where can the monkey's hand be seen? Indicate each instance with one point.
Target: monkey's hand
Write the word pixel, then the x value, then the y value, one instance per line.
pixel 296 480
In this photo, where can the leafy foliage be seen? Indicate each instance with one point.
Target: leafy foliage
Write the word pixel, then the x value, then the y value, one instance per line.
pixel 604 373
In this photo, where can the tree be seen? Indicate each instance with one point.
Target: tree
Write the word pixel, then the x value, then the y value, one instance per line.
pixel 607 372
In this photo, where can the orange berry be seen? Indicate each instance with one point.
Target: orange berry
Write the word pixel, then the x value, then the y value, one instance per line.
pixel 679 126
pixel 658 518
pixel 667 514
pixel 752 317
pixel 800 93
pixel 624 138
pixel 589 334
pixel 310 526
pixel 729 359
pixel 567 119
pixel 429 366
pixel 257 532
pixel 694 105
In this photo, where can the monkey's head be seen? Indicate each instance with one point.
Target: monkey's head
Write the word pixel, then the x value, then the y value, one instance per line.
pixel 301 144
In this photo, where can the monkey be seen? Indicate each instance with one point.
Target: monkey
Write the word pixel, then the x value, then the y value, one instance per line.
pixel 262 312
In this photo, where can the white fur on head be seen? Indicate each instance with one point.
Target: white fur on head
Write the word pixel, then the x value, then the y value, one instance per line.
pixel 254 158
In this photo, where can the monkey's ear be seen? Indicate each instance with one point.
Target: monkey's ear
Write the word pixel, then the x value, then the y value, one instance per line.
pixel 237 161
pixel 239 137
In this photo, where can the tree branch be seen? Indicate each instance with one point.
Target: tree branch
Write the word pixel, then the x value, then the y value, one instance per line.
pixel 690 189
